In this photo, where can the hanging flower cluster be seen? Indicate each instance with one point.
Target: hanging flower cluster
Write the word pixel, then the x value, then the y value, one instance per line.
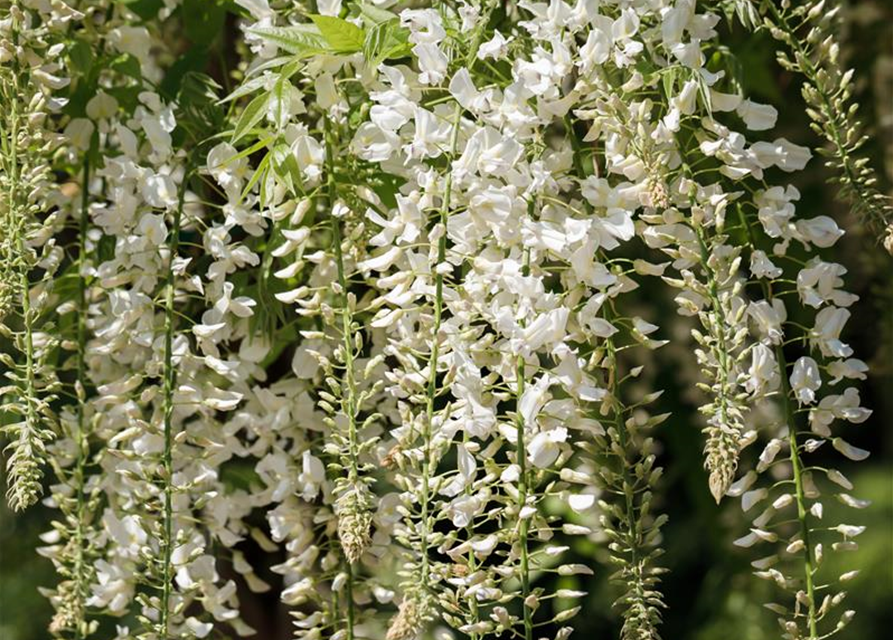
pixel 376 308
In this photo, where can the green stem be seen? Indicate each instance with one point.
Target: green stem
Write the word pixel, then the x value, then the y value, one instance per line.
pixel 716 305
pixel 28 325
pixel 523 489
pixel 802 512
pixel 616 406
pixel 620 426
pixel 348 402
pixel 170 376
pixel 82 438
pixel 424 529
pixel 719 329
pixel 435 352
pixel 472 562
pixel 16 228
pixel 631 531
pixel 796 463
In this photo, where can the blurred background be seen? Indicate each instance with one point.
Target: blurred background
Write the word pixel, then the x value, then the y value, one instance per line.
pixel 709 589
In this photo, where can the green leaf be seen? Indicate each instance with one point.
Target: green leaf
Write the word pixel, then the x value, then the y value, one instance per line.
pixel 253 114
pixel 286 168
pixel 259 173
pixel 199 89
pixel 300 39
pixel 127 98
pixel 238 477
pixel 704 91
pixel 245 89
pixel 386 41
pixel 374 15
pixel 375 39
pixel 669 77
pixel 278 106
pixel 289 66
pixel 244 153
pixel 78 97
pixel 387 186
pixel 396 45
pixel 272 63
pixel 341 35
pixel 81 56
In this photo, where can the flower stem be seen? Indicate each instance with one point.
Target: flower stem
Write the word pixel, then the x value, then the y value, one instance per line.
pixel 642 599
pixel 435 352
pixel 348 402
pixel 722 439
pixel 796 463
pixel 636 599
pixel 29 453
pixel 802 512
pixel 81 440
pixel 438 307
pixel 170 377
pixel 523 522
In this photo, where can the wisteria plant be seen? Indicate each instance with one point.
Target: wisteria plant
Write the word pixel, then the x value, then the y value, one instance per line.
pixel 359 301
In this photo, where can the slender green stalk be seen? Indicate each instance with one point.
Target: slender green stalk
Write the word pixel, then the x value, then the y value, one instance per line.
pixel 523 489
pixel 802 512
pixel 713 289
pixel 170 377
pixel 24 467
pixel 722 439
pixel 83 451
pixel 642 599
pixel 435 352
pixel 797 465
pixel 638 604
pixel 349 398
pixel 438 306
pixel 613 387
pixel 346 318
pixel 472 563
pixel 28 320
pixel 623 436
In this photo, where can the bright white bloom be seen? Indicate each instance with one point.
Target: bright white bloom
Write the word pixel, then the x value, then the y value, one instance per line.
pixel 829 322
pixel 545 447
pixel 763 374
pixel 805 380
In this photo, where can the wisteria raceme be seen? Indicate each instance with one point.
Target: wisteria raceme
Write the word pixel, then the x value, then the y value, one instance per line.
pixel 354 303
pixel 28 82
pixel 813 51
